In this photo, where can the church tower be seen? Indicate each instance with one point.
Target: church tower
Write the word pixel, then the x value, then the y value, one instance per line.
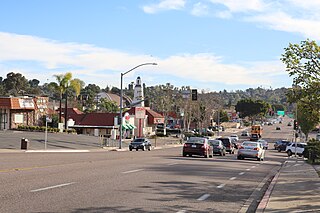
pixel 138 93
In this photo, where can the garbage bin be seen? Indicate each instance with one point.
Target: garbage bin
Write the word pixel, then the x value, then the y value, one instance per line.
pixel 24 143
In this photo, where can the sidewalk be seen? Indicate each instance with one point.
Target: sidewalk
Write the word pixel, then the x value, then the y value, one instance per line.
pixel 296 188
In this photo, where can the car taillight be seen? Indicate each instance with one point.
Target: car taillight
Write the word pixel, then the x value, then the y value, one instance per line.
pixel 256 148
pixel 204 146
pixel 241 147
pixel 185 145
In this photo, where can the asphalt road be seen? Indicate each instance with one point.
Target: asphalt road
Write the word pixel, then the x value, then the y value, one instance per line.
pixel 160 180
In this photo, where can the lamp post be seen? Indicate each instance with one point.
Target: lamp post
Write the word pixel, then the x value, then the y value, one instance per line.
pixel 121 99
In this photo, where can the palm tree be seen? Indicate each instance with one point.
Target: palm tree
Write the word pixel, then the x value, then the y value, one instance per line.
pixel 63 82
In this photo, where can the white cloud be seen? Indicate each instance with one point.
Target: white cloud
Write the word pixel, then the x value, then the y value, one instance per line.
pixel 200 9
pixel 42 58
pixel 242 6
pixel 164 5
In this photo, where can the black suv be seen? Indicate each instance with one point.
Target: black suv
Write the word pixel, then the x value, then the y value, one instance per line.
pixel 140 143
pixel 281 145
pixel 227 142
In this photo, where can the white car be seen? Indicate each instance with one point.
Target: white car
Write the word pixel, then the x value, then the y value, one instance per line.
pixel 291 149
pixel 251 149
pixel 234 137
pixel 264 143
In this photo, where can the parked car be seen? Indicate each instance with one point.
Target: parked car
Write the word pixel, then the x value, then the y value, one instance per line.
pixel 291 149
pixel 140 143
pixel 278 128
pixel 197 146
pixel 318 137
pixel 251 149
pixel 281 145
pixel 227 142
pixel 218 147
pixel 254 137
pixel 244 133
pixel 264 143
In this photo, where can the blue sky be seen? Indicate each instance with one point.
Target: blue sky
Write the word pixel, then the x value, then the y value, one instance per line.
pixel 209 45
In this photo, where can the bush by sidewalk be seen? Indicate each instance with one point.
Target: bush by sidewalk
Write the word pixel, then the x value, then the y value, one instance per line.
pixel 312 151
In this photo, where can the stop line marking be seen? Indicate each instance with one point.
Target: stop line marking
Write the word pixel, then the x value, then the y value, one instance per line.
pixel 203 197
pixel 221 186
pixel 52 187
pixel 132 171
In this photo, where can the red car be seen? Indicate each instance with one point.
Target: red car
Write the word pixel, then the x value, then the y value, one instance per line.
pixel 197 146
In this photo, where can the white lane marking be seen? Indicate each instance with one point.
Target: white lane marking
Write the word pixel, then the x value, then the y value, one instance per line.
pixel 171 164
pixel 241 173
pixel 221 186
pixel 233 178
pixel 182 211
pixel 203 197
pixel 248 169
pixel 132 171
pixel 52 187
pixel 252 167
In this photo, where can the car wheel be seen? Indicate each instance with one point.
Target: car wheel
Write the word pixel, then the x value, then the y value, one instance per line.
pixel 259 159
pixel 137 149
pixel 279 150
pixel 239 157
pixel 143 148
pixel 184 154
pixel 130 149
pixel 289 152
pixel 149 148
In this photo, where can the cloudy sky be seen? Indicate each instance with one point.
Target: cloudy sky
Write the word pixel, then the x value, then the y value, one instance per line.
pixel 206 44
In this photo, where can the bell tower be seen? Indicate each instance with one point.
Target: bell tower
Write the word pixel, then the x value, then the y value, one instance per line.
pixel 138 93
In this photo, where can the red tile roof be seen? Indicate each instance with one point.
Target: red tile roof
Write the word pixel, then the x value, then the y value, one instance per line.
pixel 94 119
pixel 16 103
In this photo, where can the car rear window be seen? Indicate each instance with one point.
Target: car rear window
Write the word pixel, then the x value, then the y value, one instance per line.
pixel 249 144
pixel 214 142
pixel 138 140
pixel 196 140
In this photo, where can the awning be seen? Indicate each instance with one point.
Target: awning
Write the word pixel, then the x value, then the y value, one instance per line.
pixel 131 126
pixel 124 126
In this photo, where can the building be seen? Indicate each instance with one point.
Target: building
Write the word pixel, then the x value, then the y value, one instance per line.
pixel 24 110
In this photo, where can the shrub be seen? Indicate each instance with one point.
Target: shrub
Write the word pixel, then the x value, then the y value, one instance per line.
pixel 312 151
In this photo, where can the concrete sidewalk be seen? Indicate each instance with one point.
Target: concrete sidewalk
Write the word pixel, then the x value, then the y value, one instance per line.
pixel 295 188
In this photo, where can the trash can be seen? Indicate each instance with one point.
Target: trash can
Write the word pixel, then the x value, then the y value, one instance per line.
pixel 24 143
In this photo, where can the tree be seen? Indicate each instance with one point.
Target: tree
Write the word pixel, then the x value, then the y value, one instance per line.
pixel 15 84
pixel 303 64
pixel 108 106
pixel 307 118
pixel 63 82
pixel 252 109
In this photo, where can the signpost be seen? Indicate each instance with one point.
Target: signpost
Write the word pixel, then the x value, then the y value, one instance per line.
pixel 46 132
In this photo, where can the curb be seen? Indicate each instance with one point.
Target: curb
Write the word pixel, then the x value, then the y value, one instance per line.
pixel 55 151
pixel 265 200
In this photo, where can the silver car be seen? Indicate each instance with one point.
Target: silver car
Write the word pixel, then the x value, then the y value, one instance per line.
pixel 251 149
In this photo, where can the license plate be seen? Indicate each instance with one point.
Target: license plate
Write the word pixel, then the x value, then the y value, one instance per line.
pixel 194 146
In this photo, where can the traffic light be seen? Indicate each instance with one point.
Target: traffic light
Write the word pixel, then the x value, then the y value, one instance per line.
pixel 295 124
pixel 194 94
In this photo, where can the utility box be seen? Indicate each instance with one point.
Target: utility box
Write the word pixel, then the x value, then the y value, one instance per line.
pixel 24 143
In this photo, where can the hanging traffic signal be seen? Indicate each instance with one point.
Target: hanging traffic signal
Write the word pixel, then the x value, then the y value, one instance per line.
pixel 295 124
pixel 194 94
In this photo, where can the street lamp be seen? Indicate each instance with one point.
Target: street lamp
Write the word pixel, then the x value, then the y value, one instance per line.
pixel 121 97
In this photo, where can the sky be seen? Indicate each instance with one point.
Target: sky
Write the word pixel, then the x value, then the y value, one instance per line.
pixel 209 45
